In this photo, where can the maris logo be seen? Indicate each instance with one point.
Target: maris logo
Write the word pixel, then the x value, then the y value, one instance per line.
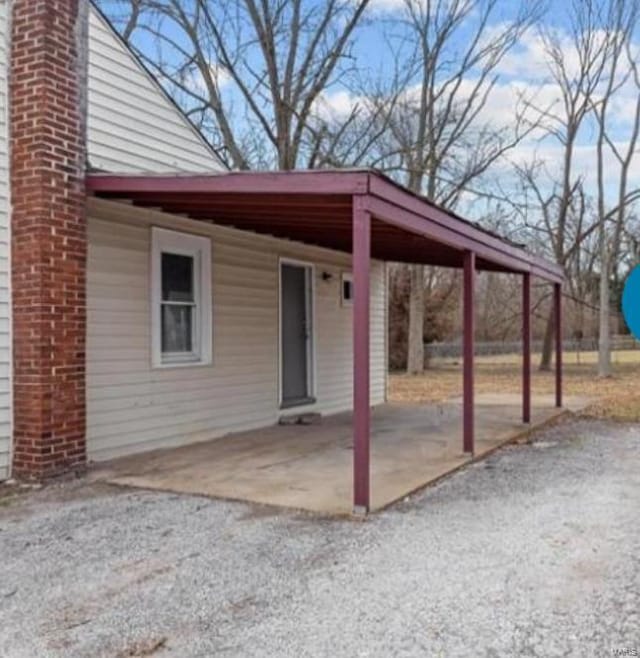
pixel 625 651
pixel 631 306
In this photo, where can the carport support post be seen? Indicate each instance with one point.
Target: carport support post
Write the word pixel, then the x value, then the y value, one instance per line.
pixel 526 347
pixel 361 408
pixel 557 312
pixel 469 330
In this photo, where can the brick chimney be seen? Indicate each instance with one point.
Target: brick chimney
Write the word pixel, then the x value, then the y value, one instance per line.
pixel 47 97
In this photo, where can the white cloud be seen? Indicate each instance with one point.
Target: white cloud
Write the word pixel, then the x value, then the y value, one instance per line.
pixel 387 5
pixel 527 60
pixel 524 74
pixel 336 105
pixel 219 74
pixel 397 5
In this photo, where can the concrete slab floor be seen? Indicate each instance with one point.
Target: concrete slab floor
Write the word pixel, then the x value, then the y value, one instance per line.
pixel 310 467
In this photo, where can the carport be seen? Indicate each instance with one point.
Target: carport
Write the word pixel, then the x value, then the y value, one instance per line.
pixel 366 214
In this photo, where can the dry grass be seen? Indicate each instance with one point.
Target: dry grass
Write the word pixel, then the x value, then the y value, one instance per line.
pixel 615 397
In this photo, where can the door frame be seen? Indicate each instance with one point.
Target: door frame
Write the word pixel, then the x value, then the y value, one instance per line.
pixel 311 341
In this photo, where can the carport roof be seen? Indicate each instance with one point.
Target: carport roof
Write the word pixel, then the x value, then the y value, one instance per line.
pixel 316 207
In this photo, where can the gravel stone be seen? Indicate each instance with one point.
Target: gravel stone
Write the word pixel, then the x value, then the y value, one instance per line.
pixel 531 552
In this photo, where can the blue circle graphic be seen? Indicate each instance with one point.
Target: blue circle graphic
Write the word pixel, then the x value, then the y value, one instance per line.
pixel 631 302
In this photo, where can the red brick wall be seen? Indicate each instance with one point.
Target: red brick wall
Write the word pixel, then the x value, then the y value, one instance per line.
pixel 49 243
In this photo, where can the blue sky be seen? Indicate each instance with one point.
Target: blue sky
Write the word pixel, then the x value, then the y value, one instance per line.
pixel 522 71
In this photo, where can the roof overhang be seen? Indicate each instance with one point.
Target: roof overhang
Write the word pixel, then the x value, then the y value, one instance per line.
pixel 315 207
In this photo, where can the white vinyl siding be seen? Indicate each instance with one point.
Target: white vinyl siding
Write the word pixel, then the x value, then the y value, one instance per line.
pixel 132 125
pixel 5 270
pixel 132 407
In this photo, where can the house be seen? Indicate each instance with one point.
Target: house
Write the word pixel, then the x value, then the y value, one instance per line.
pixel 152 299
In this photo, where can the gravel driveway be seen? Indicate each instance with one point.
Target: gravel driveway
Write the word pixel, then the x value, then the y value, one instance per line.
pixel 533 552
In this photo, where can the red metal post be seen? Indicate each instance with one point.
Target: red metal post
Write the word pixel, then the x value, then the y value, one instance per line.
pixel 526 348
pixel 361 408
pixel 557 312
pixel 469 330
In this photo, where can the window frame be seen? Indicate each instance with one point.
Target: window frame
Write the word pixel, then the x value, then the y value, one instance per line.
pixel 197 247
pixel 346 277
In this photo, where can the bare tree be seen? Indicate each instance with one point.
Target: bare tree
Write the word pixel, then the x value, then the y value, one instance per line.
pixel 125 14
pixel 441 142
pixel 253 73
pixel 577 66
pixel 622 153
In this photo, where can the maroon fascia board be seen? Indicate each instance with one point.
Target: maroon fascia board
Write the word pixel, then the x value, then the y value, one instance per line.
pixel 460 232
pixel 244 182
pixel 385 199
pixel 467 238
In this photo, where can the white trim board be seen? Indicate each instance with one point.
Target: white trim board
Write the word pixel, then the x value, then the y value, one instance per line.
pixel 199 248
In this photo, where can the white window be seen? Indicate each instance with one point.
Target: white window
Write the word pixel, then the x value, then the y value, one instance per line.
pixel 346 288
pixel 180 298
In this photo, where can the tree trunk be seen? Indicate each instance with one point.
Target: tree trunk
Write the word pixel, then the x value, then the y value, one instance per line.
pixel 604 333
pixel 547 344
pixel 415 342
